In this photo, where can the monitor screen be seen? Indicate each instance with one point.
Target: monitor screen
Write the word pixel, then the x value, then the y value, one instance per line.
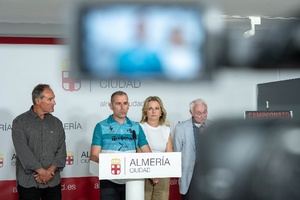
pixel 141 40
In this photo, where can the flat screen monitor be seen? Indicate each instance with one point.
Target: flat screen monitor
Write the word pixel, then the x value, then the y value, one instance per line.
pixel 144 40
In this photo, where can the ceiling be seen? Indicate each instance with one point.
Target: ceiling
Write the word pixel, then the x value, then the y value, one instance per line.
pixel 49 17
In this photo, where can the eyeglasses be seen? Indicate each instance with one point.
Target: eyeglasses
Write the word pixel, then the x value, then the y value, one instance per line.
pixel 200 113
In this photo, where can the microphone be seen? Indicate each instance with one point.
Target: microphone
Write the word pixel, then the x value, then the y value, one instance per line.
pixel 133 135
pixel 134 138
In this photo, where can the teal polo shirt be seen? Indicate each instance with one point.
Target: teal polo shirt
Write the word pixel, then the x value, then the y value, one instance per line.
pixel 114 137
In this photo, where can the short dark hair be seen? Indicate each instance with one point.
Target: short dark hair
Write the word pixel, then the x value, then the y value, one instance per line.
pixel 117 93
pixel 38 90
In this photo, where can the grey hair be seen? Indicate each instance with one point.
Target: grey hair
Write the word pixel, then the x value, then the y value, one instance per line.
pixel 197 101
pixel 38 90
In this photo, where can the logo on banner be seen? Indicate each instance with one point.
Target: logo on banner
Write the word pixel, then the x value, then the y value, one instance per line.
pixel 70 158
pixel 68 83
pixel 1 160
pixel 115 166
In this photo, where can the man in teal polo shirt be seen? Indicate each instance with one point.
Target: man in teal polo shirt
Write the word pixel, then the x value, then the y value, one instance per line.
pixel 117 133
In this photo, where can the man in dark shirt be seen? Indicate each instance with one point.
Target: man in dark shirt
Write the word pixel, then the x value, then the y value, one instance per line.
pixel 39 141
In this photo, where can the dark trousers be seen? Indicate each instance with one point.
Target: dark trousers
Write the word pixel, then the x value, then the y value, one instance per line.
pixel 51 193
pixel 111 191
pixel 185 196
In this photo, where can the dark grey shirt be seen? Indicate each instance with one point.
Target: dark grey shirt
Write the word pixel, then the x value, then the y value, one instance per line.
pixel 39 143
pixel 197 131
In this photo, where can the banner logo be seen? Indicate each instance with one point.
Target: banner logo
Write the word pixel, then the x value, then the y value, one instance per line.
pixel 115 166
pixel 1 160
pixel 69 159
pixel 68 83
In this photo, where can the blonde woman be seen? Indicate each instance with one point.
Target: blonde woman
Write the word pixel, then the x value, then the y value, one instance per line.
pixel 159 139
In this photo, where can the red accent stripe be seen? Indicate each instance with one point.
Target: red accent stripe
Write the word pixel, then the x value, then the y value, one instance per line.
pixel 80 188
pixel 31 40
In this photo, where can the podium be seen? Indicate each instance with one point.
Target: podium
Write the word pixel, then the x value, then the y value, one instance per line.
pixel 135 167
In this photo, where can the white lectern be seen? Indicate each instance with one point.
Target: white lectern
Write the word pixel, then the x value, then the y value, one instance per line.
pixel 135 189
pixel 135 167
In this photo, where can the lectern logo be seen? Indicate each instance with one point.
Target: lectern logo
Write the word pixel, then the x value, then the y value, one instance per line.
pixel 115 166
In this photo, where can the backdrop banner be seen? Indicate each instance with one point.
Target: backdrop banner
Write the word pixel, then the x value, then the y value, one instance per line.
pixel 80 105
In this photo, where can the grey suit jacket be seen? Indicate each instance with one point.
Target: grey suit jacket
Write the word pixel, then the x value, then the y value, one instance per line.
pixel 184 142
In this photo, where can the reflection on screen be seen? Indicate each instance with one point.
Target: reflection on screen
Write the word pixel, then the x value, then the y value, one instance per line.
pixel 132 41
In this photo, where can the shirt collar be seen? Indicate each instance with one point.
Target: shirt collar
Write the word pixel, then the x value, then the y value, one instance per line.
pixel 34 114
pixel 198 125
pixel 112 120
